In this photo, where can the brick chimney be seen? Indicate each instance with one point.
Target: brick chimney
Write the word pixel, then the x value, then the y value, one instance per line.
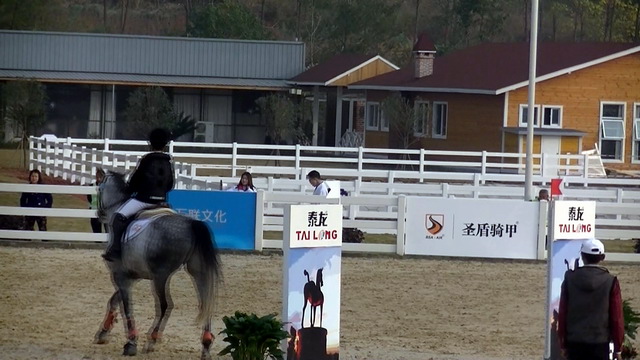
pixel 424 53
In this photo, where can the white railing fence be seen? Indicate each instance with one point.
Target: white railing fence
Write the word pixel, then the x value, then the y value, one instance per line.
pixel 76 159
pixel 377 214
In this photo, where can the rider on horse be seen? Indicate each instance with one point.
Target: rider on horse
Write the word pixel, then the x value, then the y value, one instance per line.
pixel 149 185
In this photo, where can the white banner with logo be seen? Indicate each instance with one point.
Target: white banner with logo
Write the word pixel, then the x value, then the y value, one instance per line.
pixel 574 219
pixel 472 227
pixel 311 280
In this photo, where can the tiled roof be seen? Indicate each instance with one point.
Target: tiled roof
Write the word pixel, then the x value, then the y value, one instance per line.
pixel 330 69
pixel 494 68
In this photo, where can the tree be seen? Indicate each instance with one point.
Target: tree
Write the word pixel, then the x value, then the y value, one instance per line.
pixel 149 108
pixel 403 118
pixel 25 109
pixel 279 115
pixel 226 20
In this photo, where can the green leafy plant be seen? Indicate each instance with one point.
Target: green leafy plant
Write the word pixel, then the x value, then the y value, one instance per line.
pixel 253 338
pixel 631 323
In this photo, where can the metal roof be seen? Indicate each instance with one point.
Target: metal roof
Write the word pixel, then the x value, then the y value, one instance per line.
pixel 107 58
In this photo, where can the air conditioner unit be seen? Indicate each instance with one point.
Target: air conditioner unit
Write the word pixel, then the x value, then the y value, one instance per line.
pixel 203 132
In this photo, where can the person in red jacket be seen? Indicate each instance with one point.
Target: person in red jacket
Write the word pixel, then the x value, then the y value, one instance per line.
pixel 590 312
pixel 149 185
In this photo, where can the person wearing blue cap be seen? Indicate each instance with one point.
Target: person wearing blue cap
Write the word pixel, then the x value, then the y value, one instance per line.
pixel 590 312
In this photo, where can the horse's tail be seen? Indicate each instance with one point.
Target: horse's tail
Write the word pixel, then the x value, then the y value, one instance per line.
pixel 210 271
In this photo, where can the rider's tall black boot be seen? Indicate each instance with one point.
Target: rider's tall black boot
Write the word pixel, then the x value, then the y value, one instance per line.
pixel 118 227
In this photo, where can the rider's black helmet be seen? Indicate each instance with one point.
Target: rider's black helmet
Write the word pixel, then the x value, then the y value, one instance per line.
pixel 158 138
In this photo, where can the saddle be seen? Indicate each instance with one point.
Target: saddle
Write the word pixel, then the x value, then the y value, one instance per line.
pixel 143 219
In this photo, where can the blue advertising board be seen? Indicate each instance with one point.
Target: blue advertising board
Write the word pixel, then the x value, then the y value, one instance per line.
pixel 230 216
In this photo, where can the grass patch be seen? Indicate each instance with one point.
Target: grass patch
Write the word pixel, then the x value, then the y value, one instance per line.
pixel 619 246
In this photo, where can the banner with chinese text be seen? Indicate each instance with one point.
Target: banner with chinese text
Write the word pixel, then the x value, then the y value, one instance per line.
pixel 472 227
pixel 231 216
pixel 311 281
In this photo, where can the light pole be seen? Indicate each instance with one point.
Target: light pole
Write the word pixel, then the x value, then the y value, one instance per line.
pixel 533 50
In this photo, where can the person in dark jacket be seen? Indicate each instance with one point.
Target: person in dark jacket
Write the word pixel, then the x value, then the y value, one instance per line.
pixel 96 225
pixel 149 185
pixel 590 312
pixel 37 200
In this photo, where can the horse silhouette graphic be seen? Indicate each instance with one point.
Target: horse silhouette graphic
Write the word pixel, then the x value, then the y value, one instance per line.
pixel 314 296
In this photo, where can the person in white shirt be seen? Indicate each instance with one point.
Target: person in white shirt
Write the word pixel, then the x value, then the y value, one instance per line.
pixel 316 181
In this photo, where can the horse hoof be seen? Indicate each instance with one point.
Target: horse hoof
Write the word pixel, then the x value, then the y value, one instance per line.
pixel 205 355
pixel 148 347
pixel 102 337
pixel 130 349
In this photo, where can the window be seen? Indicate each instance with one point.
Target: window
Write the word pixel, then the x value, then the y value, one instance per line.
pixel 422 114
pixel 551 116
pixel 636 133
pixel 440 114
pixel 524 113
pixel 612 130
pixel 384 122
pixel 373 116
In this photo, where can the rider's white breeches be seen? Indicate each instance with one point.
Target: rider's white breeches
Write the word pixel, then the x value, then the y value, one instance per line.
pixel 132 207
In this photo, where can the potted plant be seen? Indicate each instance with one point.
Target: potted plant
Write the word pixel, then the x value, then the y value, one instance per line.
pixel 253 338
pixel 631 323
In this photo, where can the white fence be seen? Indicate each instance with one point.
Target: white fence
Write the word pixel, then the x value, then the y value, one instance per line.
pixel 269 217
pixel 77 159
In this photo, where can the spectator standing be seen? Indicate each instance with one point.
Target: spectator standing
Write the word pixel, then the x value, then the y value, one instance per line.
pixel 37 200
pixel 96 225
pixel 318 183
pixel 590 312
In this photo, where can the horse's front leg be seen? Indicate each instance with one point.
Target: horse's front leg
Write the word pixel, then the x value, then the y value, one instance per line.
pixel 109 319
pixel 164 305
pixel 131 347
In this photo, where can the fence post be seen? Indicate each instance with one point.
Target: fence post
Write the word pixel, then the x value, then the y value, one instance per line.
pixel 483 167
pixel 585 168
pixel 297 163
pixel 46 157
pixel 400 230
pixel 422 154
pixel 234 158
pixel 445 190
pixel 259 220
pixel 543 165
pixel 619 197
pixel 104 151
pixel 360 159
pixel 542 229
pixel 171 147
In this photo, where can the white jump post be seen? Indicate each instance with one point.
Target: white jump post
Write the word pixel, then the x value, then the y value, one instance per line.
pixel 311 280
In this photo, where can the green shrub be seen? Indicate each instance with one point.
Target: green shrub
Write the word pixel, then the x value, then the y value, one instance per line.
pixel 631 323
pixel 253 338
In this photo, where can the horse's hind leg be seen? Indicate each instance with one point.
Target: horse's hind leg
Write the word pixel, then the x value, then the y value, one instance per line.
pixel 200 282
pixel 131 347
pixel 164 305
pixel 109 319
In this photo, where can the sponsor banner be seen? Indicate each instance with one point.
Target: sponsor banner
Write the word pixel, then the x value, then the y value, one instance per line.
pixel 472 227
pixel 574 219
pixel 230 216
pixel 311 282
pixel 315 226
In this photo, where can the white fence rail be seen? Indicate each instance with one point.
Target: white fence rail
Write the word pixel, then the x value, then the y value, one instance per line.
pixel 377 214
pixel 76 159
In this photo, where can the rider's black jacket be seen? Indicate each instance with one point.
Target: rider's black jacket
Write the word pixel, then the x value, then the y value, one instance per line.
pixel 153 178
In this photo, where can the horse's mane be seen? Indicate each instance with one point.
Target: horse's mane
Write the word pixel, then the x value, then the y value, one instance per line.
pixel 119 180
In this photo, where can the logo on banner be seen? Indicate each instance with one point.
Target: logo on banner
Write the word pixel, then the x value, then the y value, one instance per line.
pixel 434 223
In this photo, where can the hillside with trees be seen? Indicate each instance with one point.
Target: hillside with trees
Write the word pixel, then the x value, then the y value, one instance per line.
pixel 386 27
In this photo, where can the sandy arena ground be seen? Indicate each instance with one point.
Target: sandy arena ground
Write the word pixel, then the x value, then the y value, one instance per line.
pixel 53 300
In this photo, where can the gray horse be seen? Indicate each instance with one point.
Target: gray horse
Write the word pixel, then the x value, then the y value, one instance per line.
pixel 156 253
